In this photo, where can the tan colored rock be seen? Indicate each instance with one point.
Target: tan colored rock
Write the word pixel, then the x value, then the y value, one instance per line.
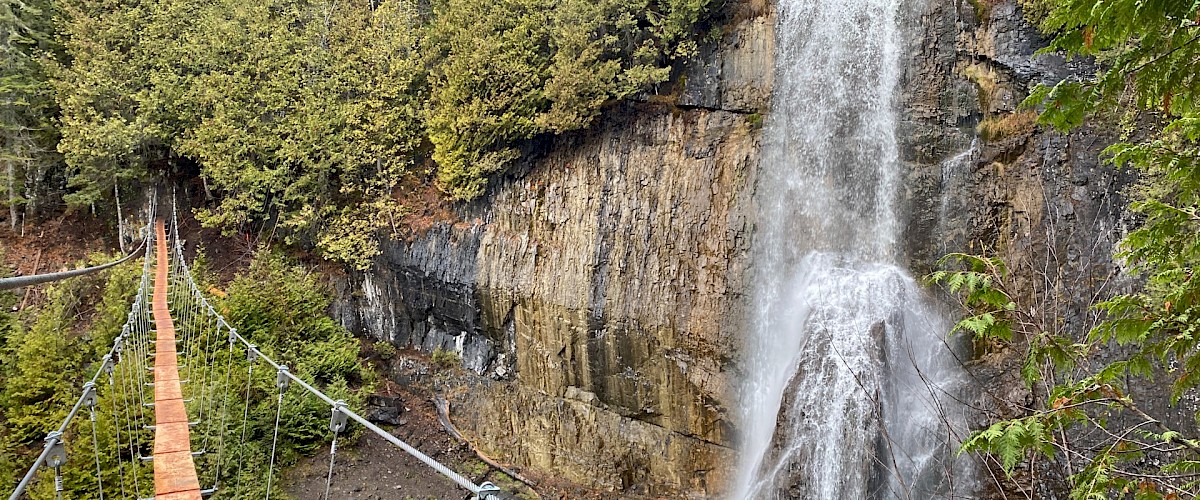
pixel 598 293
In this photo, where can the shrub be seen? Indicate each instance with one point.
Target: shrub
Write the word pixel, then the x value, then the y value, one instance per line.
pixel 446 359
pixel 385 349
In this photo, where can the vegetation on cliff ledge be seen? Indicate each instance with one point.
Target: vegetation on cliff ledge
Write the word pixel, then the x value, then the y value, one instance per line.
pixel 308 113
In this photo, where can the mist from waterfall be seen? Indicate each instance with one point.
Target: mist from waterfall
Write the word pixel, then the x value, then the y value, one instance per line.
pixel 850 390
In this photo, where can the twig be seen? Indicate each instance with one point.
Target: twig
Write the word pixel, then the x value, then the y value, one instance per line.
pixel 1175 439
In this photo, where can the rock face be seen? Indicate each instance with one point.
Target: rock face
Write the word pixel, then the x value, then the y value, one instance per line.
pixel 984 179
pixel 599 295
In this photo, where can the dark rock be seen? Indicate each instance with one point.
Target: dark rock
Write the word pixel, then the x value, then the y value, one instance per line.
pixel 384 410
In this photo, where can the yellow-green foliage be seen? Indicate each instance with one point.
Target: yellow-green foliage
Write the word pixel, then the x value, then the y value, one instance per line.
pixel 983 8
pixel 282 307
pixel 984 77
pixel 384 349
pixel 445 359
pixel 1036 11
pixel 506 70
pixel 279 305
pixel 43 369
pixel 1092 387
pixel 305 116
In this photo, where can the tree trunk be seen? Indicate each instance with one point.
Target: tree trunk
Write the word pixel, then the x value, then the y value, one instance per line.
pixel 120 220
pixel 12 195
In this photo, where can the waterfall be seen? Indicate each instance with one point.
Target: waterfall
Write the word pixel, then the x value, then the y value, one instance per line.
pixel 851 386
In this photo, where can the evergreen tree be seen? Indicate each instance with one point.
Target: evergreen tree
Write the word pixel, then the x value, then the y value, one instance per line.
pixel 507 70
pixel 25 107
pixel 108 136
pixel 303 116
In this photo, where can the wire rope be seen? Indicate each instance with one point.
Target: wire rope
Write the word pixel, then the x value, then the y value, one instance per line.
pixel 96 451
pixel 245 419
pixel 275 438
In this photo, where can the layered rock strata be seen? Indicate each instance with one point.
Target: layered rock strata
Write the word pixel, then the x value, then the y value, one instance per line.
pixel 598 294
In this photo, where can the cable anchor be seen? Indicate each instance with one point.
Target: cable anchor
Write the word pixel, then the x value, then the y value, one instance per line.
pixel 282 380
pixel 337 423
pixel 89 394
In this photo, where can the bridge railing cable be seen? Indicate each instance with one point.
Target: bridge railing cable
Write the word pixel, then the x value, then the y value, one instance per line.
pixel 128 346
pixel 37 279
pixel 193 302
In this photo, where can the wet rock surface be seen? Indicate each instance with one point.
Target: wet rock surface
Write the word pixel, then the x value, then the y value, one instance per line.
pixel 1039 199
pixel 604 284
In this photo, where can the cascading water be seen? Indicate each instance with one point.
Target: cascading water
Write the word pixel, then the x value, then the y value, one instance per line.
pixel 850 385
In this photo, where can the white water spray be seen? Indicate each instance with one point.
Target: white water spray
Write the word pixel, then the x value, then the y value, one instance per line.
pixel 851 387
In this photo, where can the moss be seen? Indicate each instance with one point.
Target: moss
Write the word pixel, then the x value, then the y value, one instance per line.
pixel 474 468
pixel 755 120
pixel 514 487
pixel 1036 11
pixel 384 349
pixel 985 78
pixel 983 9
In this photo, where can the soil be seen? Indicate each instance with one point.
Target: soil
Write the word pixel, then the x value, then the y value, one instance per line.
pixel 57 244
pixel 62 242
pixel 373 469
pixel 426 205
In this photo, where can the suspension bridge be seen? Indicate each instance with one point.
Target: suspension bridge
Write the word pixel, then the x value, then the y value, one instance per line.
pixel 159 402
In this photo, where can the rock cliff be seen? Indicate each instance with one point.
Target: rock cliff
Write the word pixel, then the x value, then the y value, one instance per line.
pixel 984 178
pixel 598 295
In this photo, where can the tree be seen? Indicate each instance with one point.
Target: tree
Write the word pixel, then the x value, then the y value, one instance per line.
pixel 303 116
pixel 25 105
pixel 508 70
pixel 1148 52
pixel 101 85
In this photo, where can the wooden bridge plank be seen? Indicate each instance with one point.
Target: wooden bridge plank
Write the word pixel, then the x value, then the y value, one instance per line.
pixel 174 469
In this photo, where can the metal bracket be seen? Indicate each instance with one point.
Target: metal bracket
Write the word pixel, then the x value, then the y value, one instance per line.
pixel 107 365
pixel 282 380
pixel 58 451
pixel 89 394
pixel 337 423
pixel 489 491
